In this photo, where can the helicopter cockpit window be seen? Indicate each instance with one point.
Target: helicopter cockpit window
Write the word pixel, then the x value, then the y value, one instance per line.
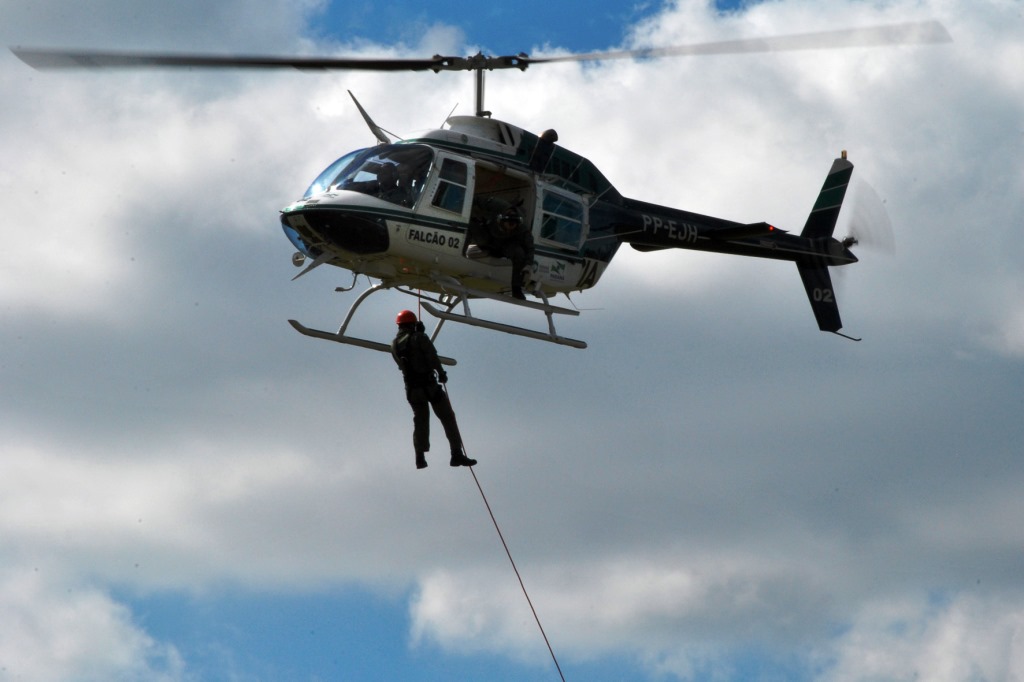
pixel 451 189
pixel 563 219
pixel 327 178
pixel 394 173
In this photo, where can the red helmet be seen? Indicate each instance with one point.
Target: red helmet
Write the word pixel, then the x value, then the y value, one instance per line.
pixel 406 317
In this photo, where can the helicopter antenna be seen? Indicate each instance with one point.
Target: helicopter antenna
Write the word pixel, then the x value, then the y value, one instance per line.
pixel 452 111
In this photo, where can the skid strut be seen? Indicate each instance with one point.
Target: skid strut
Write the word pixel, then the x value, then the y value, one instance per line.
pixel 341 337
pixel 455 294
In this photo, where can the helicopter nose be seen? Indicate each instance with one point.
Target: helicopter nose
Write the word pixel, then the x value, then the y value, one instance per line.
pixel 342 229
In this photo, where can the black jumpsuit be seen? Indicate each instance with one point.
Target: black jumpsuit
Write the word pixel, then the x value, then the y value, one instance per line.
pixel 417 358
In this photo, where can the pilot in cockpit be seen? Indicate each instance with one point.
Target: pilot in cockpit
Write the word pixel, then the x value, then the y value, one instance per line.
pixel 390 186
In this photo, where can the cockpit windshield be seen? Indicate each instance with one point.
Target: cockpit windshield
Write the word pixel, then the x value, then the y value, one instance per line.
pixel 394 173
pixel 326 179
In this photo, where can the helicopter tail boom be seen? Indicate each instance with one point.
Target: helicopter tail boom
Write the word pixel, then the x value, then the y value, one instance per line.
pixel 649 227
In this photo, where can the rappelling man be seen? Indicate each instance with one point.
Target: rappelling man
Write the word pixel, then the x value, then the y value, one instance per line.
pixel 416 356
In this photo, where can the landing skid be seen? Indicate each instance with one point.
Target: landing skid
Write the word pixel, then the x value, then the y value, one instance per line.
pixel 455 294
pixel 352 341
pixel 340 336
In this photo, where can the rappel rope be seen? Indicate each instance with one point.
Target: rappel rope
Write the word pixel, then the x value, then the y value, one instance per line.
pixel 509 554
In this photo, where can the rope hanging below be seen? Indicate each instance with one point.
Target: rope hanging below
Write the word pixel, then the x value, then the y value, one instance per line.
pixel 512 561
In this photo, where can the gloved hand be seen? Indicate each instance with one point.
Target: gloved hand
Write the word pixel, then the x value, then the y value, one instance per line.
pixel 442 376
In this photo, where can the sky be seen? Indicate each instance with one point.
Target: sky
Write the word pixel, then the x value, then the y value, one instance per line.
pixel 712 490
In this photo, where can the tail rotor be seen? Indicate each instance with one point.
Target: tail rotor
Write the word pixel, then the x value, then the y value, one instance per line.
pixel 868 223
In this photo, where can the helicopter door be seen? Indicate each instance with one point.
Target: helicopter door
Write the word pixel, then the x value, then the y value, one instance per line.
pixel 449 188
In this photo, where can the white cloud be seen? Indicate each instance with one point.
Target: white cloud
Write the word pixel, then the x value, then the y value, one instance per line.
pixel 720 475
pixel 963 638
pixel 53 629
pixel 678 612
pixel 689 623
pixel 191 516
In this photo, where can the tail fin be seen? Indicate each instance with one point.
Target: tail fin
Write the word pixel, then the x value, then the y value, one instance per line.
pixel 822 220
pixel 821 223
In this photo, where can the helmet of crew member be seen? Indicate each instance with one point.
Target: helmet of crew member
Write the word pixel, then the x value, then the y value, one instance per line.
pixel 405 317
pixel 510 218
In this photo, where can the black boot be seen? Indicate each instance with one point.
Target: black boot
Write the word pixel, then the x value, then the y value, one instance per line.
pixel 421 460
pixel 460 460
pixel 517 284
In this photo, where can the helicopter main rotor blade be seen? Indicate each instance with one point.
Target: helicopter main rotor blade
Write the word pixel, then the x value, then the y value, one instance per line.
pixel 44 59
pixel 916 33
pixel 927 32
pixel 47 59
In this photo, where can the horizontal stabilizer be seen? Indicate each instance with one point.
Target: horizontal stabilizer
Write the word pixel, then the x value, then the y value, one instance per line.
pixel 727 234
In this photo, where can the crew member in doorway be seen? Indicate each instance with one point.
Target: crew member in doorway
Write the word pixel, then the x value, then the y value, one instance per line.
pixel 422 371
pixel 504 234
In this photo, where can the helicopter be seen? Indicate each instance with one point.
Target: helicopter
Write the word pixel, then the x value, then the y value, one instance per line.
pixel 409 213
